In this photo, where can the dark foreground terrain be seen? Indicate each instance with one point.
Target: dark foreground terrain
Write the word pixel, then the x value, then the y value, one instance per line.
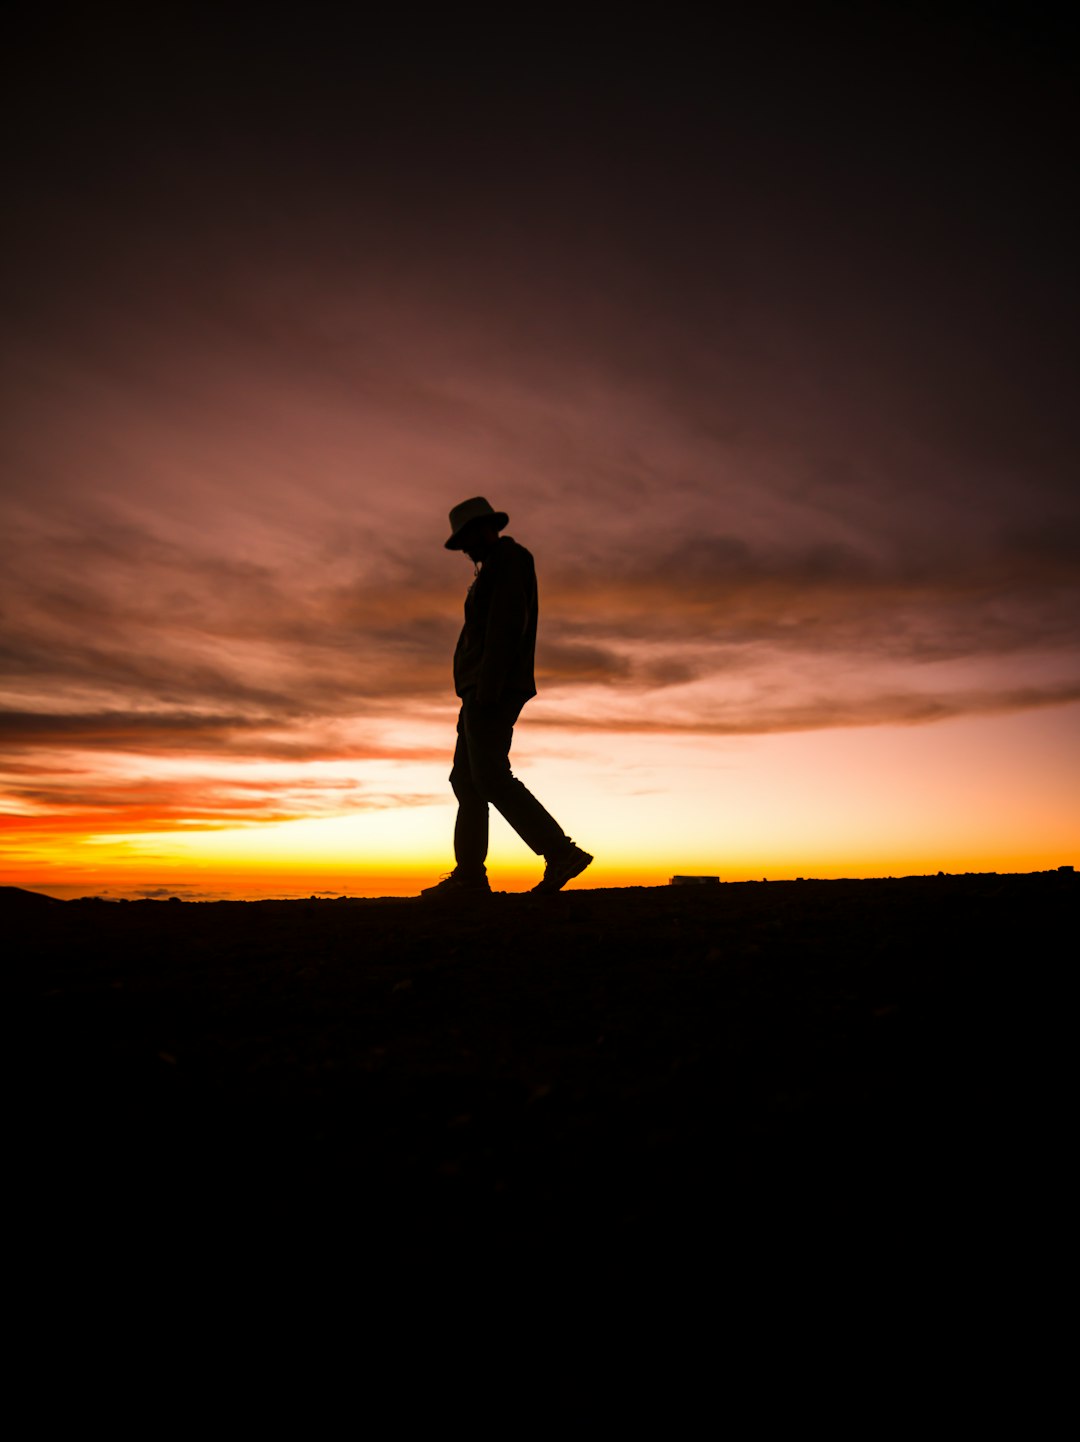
pixel 643 1063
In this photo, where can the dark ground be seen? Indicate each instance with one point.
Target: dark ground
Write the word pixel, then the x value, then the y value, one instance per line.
pixel 641 1063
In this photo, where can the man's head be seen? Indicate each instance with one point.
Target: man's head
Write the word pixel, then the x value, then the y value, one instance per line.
pixel 475 527
pixel 478 539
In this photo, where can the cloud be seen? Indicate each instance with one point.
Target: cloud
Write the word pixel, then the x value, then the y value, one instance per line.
pixel 1018 594
pixel 821 712
pixel 116 640
pixel 165 733
pixel 54 808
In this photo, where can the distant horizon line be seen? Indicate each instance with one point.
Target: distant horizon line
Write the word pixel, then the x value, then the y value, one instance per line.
pixel 694 884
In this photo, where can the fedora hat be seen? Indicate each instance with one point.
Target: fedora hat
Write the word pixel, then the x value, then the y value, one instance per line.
pixel 475 510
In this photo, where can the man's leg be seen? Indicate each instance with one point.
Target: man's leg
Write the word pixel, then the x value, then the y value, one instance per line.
pixel 471 826
pixel 487 733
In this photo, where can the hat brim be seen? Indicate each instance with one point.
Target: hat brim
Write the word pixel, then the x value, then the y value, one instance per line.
pixel 498 519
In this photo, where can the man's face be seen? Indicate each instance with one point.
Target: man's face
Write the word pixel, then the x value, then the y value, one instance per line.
pixel 477 539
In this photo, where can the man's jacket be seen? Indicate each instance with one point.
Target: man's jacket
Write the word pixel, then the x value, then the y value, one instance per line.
pixel 496 649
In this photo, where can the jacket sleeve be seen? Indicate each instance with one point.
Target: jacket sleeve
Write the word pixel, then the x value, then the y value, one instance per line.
pixel 508 618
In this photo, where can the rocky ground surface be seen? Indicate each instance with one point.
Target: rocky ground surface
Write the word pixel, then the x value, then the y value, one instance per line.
pixel 634 1063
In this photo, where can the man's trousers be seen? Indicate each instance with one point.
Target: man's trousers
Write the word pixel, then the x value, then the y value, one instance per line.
pixel 482 775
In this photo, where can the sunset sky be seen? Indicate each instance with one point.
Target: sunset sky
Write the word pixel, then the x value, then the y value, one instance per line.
pixel 764 334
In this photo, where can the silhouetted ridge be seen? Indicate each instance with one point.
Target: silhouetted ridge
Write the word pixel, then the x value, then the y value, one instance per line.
pixel 18 896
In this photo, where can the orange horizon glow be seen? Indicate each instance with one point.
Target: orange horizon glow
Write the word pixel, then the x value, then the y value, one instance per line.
pixel 295 884
pixel 374 886
pixel 856 803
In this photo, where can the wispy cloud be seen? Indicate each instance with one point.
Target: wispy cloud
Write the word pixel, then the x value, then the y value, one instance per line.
pixel 821 712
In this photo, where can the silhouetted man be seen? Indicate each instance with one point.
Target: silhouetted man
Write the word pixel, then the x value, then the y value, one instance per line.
pixel 493 675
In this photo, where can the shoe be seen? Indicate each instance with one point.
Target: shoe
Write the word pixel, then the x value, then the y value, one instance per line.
pixel 460 883
pixel 563 867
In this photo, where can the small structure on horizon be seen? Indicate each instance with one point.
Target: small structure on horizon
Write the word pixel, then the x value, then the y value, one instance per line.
pixel 695 881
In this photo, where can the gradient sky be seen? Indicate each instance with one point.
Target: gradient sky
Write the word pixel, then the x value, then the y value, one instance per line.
pixel 764 334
